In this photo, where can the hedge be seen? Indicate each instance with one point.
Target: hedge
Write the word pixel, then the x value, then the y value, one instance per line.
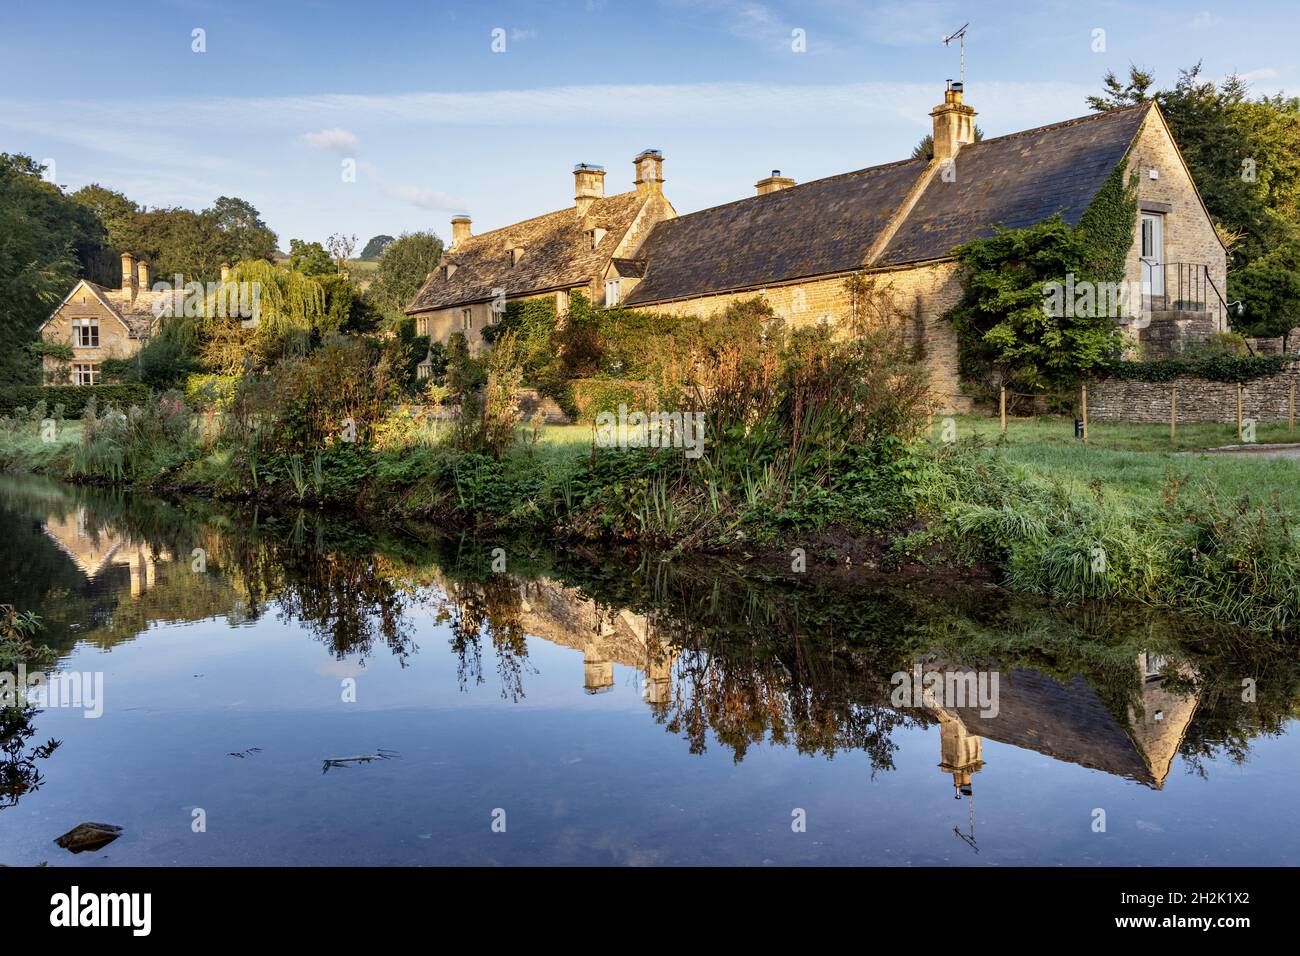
pixel 1215 368
pixel 73 398
pixel 594 395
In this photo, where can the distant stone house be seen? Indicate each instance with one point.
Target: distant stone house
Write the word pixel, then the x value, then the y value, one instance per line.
pixel 584 248
pixel 100 323
pixel 795 245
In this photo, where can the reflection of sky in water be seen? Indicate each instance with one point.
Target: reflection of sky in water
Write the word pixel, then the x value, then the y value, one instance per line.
pixel 583 778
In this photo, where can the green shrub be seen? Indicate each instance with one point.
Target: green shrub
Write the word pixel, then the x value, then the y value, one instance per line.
pixel 73 398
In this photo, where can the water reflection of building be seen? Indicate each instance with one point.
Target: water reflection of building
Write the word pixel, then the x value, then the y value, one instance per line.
pixel 566 617
pixel 98 550
pixel 1066 720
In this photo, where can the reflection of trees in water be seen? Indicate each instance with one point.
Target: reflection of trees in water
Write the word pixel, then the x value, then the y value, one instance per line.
pixel 746 661
pixel 494 606
pixel 19 772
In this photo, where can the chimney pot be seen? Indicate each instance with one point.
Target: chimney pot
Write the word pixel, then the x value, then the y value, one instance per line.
pixel 142 272
pixel 588 186
pixel 128 275
pixel 954 124
pixel 649 165
pixel 225 272
pixel 773 183
pixel 461 229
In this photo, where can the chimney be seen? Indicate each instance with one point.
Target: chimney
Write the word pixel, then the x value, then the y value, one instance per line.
pixel 142 272
pixel 225 272
pixel 649 171
pixel 773 183
pixel 128 275
pixel 588 186
pixel 460 230
pixel 954 124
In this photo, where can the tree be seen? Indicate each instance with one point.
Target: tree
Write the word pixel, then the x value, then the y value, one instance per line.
pixel 403 268
pixel 341 248
pixel 925 148
pixel 46 239
pixel 376 246
pixel 310 258
pixel 243 232
pixel 1244 155
pixel 1118 94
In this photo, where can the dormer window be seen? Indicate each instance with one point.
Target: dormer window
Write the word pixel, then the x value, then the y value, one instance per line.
pixel 448 270
pixel 594 236
pixel 516 254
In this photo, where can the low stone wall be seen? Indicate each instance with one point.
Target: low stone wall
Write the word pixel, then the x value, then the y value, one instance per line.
pixel 1199 399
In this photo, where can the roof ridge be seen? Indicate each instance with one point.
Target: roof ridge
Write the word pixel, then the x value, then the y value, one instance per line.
pixel 797 186
pixel 1060 124
pixel 545 215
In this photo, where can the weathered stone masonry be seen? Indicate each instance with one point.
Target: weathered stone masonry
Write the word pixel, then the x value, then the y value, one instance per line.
pixel 1199 400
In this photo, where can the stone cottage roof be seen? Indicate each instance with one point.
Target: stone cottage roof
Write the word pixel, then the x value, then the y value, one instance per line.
pixel 816 228
pixel 139 314
pixel 557 254
pixel 1016 181
pixel 830 225
pixel 1067 721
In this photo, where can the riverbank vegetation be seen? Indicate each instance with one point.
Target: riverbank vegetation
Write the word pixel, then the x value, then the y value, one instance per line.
pixel 813 442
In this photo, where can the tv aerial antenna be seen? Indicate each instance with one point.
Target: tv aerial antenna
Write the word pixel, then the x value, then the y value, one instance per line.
pixel 959 36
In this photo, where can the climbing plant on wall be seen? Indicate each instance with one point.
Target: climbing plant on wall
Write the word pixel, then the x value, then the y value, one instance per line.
pixel 1005 329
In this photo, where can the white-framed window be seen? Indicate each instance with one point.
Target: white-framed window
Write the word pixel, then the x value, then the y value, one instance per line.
pixel 85 333
pixel 85 373
pixel 613 292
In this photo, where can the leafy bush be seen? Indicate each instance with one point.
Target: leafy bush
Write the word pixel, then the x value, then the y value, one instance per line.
pixel 1215 368
pixel 73 398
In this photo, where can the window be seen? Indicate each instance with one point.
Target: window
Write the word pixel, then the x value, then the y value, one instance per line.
pixel 85 333
pixel 85 373
pixel 466 319
pixel 612 291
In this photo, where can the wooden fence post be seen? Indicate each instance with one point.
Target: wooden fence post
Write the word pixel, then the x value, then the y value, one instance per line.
pixel 1002 407
pixel 1083 401
pixel 1173 414
pixel 1238 411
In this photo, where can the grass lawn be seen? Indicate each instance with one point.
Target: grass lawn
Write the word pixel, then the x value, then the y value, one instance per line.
pixel 1136 460
pixel 1132 461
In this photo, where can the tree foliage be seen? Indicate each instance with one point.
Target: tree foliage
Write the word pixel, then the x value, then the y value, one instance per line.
pixel 1244 155
pixel 46 240
pixel 403 267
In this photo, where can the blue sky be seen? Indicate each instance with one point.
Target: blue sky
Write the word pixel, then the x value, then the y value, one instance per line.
pixel 438 123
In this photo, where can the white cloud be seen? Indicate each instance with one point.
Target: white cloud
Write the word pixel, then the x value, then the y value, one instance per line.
pixel 426 198
pixel 337 140
pixel 1263 73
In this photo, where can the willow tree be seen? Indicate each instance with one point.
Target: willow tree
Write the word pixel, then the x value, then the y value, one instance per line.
pixel 261 314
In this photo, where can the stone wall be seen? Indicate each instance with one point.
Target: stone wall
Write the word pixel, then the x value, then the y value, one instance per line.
pixel 1189 233
pixel 922 293
pixel 1199 400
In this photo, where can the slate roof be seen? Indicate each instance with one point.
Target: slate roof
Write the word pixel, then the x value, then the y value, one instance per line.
pixel 557 254
pixel 821 227
pixel 1066 721
pixel 1016 181
pixel 829 225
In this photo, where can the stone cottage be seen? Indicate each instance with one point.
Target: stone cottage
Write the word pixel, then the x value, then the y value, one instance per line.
pixel 100 323
pixel 585 248
pixel 795 245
